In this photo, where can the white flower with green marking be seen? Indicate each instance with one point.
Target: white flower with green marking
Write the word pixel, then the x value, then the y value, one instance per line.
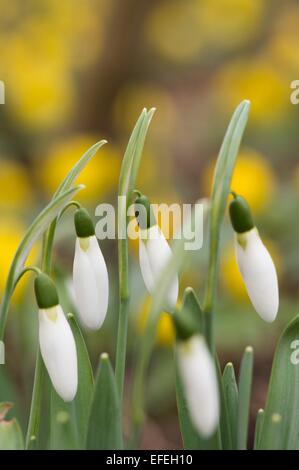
pixel 254 261
pixel 154 252
pixel 90 275
pixel 199 380
pixel 57 344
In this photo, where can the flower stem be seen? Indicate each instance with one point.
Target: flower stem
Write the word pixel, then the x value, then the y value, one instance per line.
pixel 210 294
pixel 36 402
pixel 39 375
pixel 138 387
pixel 123 316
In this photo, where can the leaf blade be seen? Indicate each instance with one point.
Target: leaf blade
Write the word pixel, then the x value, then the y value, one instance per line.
pixel 78 167
pixel 283 393
pixel 105 427
pixel 230 389
pixel 11 437
pixel 245 381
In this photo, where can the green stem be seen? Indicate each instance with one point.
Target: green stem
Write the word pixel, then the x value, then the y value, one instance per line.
pixel 68 205
pixel 210 294
pixel 123 316
pixel 39 375
pixel 138 386
pixel 36 402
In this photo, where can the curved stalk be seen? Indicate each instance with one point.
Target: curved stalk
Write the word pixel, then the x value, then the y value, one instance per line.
pixel 40 372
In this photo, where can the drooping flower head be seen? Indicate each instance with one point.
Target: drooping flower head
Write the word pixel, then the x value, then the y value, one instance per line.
pixel 154 251
pixel 196 367
pixel 254 261
pixel 90 275
pixel 57 344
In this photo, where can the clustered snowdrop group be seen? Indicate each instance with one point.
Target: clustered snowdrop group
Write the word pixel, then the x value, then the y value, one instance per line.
pixel 91 285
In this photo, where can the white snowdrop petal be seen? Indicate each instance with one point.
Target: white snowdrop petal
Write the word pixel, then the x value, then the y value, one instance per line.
pixel 259 274
pixel 145 266
pixel 58 350
pixel 199 380
pixel 98 264
pixel 154 254
pixel 86 290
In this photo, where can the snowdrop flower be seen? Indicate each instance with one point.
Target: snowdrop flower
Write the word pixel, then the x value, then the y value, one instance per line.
pixel 90 276
pixel 154 251
pixel 254 261
pixel 199 380
pixel 56 339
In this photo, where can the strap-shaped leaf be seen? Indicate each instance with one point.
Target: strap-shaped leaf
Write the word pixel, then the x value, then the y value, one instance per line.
pixel 220 191
pixel 283 394
pixel 38 226
pixel 226 161
pixel 105 427
pixel 258 427
pixel 73 174
pixel 69 421
pixel 11 437
pixel 132 157
pixel 245 381
pixel 230 390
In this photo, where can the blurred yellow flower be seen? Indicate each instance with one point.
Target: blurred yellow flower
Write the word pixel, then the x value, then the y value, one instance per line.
pixel 230 277
pixel 11 232
pixel 283 44
pixel 40 47
pixel 133 98
pixel 253 178
pixel 173 30
pixel 100 176
pixel 41 93
pixel 165 333
pixel 229 24
pixel 260 82
pixel 183 31
pixel 15 188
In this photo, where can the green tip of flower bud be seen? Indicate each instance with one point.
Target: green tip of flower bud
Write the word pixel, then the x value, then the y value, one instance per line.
pixel 188 318
pixel 83 224
pixel 185 326
pixel 144 212
pixel 240 214
pixel 45 291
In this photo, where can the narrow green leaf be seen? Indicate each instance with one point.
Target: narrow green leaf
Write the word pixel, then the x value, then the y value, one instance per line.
pixel 78 168
pixel 224 425
pixel 220 191
pixel 275 433
pixel 38 226
pixel 11 437
pixel 105 427
pixel 230 389
pixel 227 159
pixel 132 157
pixel 191 439
pixel 138 151
pixel 191 305
pixel 258 427
pixel 245 380
pixel 126 167
pixel 283 393
pixel 69 421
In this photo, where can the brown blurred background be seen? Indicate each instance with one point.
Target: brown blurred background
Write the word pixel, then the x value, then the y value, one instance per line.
pixel 78 71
